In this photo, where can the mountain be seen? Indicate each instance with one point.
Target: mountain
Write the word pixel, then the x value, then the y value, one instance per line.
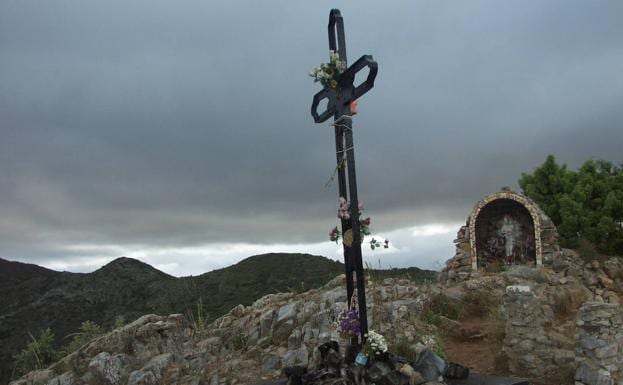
pixel 33 298
pixel 14 272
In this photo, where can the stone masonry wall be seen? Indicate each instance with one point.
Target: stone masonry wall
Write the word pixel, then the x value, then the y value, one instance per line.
pixel 599 351
pixel 550 248
pixel 459 268
pixel 532 347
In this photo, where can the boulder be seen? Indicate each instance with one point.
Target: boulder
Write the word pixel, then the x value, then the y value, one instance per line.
pixel 430 365
pixel 106 369
pixel 139 377
pixel 287 312
pixel 266 321
pixel 270 363
pixel 67 378
pixel 158 364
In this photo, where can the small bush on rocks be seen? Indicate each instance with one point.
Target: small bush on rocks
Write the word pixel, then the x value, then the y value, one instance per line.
pixel 240 339
pixel 88 331
pixel 432 318
pixel 37 354
pixel 403 348
pixel 478 304
pixel 441 304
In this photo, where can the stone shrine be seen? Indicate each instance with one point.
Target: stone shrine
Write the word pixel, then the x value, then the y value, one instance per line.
pixel 504 228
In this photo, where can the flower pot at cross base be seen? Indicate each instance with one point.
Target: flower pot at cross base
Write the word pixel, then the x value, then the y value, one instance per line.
pixel 361 359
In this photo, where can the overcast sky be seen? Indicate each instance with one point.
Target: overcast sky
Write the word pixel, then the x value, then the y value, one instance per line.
pixel 179 132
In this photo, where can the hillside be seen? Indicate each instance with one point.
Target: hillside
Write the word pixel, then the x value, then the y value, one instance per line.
pixel 35 298
pixel 246 345
pixel 557 324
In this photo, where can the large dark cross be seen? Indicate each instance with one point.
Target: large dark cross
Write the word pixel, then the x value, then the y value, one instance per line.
pixel 339 102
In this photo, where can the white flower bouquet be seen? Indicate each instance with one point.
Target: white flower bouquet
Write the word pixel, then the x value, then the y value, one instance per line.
pixel 328 74
pixel 375 345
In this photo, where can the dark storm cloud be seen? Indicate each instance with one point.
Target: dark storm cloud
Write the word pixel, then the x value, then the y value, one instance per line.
pixel 181 123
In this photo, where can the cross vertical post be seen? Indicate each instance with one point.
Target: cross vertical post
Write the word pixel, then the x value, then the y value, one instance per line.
pixel 339 106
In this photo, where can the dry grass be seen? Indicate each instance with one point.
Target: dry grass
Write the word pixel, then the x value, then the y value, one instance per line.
pixel 566 302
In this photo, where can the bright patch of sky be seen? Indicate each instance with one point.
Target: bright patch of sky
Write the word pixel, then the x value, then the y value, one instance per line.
pixel 427 247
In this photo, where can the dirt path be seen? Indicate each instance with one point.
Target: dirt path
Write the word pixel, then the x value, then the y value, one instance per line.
pixel 478 354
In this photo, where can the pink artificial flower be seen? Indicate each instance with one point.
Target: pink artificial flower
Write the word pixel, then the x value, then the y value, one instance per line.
pixel 354 107
pixel 343 211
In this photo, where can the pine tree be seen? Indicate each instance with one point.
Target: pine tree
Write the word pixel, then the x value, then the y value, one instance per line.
pixel 586 205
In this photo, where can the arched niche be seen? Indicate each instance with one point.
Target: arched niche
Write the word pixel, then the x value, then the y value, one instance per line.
pixel 488 217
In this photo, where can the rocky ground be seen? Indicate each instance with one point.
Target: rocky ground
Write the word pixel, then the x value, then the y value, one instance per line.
pixel 247 345
pixel 35 298
pixel 521 321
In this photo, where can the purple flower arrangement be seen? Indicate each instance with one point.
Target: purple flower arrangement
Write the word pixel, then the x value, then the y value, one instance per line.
pixel 348 320
pixel 348 323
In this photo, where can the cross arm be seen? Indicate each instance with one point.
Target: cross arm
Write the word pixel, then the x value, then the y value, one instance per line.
pixel 325 93
pixel 348 77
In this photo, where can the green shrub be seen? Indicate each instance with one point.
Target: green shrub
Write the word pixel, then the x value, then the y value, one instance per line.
pixel 583 204
pixel 441 304
pixel 239 341
pixel 197 318
pixel 588 251
pixel 439 349
pixel 432 318
pixel 478 304
pixel 87 332
pixel 38 354
pixel 402 348
pixel 119 322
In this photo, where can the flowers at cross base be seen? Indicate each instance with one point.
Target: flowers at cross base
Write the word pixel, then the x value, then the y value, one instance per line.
pixel 328 74
pixel 348 320
pixel 375 344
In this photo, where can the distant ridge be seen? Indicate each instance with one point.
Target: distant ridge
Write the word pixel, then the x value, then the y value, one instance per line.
pixel 129 266
pixel 13 272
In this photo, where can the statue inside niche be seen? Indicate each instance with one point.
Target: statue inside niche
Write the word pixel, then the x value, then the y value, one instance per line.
pixel 510 231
